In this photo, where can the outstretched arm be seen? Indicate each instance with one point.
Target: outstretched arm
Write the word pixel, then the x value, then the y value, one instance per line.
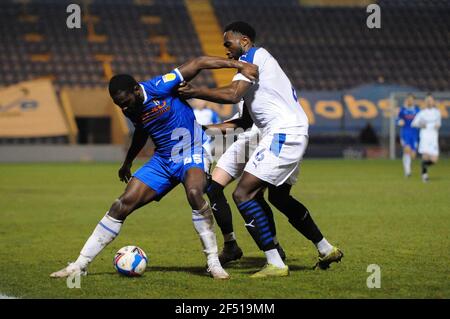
pixel 190 69
pixel 417 121
pixel 232 93
pixel 138 142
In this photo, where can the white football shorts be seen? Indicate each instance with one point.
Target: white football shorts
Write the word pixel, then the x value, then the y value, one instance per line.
pixel 429 145
pixel 276 160
pixel 236 156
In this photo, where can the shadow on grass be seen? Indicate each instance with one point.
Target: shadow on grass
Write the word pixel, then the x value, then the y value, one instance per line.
pixel 255 263
pixel 252 264
pixel 199 271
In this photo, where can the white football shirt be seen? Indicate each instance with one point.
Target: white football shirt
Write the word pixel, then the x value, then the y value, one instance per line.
pixel 272 101
pixel 431 118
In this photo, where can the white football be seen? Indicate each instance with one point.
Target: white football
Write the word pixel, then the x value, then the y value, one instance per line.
pixel 130 261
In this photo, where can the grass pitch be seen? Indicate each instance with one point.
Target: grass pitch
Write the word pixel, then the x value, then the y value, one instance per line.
pixel 367 208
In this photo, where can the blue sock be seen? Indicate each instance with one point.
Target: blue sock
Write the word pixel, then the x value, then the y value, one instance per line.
pixel 257 224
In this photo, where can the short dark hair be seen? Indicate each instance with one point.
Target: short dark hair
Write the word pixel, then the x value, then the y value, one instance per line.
pixel 121 82
pixel 243 28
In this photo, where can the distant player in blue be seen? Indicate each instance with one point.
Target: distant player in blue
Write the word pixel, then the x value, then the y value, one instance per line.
pixel 205 116
pixel 409 136
pixel 157 112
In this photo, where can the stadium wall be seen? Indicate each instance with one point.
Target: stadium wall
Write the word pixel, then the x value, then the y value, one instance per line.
pixel 61 153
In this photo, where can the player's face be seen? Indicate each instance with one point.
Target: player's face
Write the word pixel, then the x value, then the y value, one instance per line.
pixel 234 44
pixel 429 101
pixel 129 102
pixel 409 101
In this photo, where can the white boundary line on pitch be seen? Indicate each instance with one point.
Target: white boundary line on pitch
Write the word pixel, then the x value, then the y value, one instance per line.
pixel 7 297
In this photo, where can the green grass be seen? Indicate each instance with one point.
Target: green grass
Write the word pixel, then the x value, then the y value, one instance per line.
pixel 367 208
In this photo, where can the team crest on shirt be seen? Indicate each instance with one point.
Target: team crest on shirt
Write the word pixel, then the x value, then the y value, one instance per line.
pixel 260 155
pixel 169 77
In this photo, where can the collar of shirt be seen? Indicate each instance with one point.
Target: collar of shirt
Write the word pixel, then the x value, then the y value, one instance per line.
pixel 145 93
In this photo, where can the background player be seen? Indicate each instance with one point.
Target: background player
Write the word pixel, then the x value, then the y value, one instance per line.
pixel 205 116
pixel 156 113
pixel 409 136
pixel 429 122
pixel 273 106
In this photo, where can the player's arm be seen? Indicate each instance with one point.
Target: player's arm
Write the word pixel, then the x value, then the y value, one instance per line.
pixel 400 120
pixel 190 69
pixel 137 143
pixel 439 120
pixel 230 94
pixel 417 121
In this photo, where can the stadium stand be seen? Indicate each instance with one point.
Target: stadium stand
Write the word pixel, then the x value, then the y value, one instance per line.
pixel 43 46
pixel 325 48
pixel 322 48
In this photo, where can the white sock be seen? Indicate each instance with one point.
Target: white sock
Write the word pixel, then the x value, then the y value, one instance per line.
pixel 229 237
pixel 324 247
pixel 273 257
pixel 107 229
pixel 407 164
pixel 204 225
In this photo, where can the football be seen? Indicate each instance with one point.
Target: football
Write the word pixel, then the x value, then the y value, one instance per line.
pixel 130 261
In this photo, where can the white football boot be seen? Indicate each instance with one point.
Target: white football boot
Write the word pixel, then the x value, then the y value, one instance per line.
pixel 215 269
pixel 71 269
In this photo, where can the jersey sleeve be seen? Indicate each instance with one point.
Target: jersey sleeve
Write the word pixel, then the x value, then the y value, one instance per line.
pixel 240 77
pixel 215 117
pixel 417 119
pixel 255 56
pixel 162 85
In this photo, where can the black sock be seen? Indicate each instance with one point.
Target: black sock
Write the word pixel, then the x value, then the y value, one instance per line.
pixel 220 207
pixel 296 212
pixel 425 165
pixel 305 225
pixel 257 224
pixel 266 207
pixel 424 168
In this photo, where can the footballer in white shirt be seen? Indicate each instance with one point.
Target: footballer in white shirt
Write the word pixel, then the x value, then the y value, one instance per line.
pixel 429 122
pixel 272 105
pixel 229 167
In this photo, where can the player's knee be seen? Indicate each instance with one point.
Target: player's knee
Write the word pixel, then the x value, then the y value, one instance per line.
pixel 195 197
pixel 274 199
pixel 120 209
pixel 240 196
pixel 278 198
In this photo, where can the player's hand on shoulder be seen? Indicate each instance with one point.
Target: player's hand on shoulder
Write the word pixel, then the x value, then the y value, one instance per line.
pixel 250 71
pixel 125 172
pixel 186 90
